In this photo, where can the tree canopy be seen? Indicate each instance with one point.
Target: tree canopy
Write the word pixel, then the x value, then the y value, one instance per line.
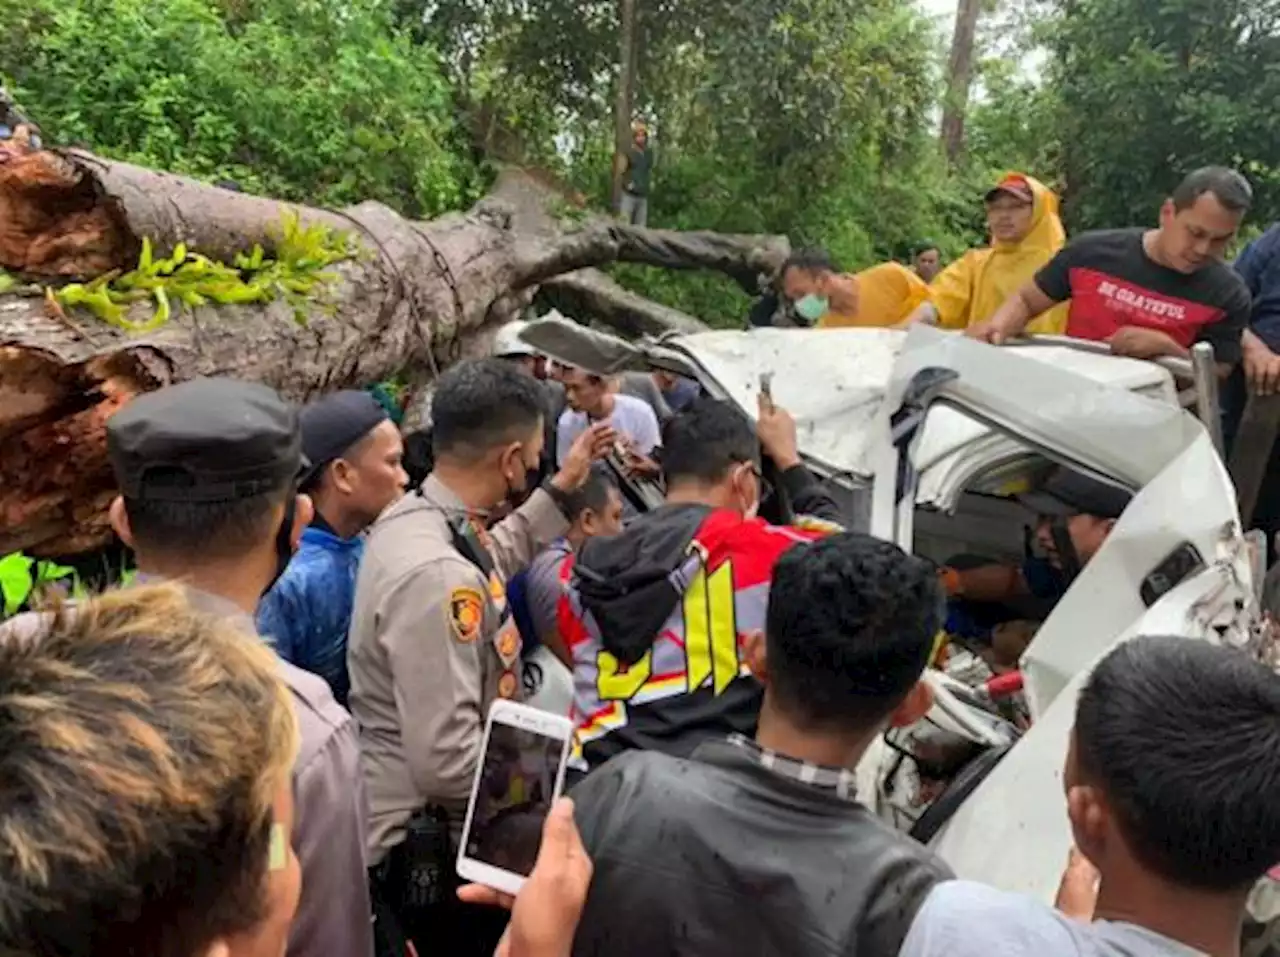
pixel 814 118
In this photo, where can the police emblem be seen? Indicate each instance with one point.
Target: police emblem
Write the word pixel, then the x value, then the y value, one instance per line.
pixel 508 643
pixel 466 612
pixel 507 685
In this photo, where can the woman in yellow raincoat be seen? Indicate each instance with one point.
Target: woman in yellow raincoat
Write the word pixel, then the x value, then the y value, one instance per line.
pixel 1022 215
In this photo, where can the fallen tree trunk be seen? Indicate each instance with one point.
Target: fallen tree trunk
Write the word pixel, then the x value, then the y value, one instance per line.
pixel 420 296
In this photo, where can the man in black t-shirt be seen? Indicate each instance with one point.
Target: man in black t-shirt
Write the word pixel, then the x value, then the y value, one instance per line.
pixel 1150 292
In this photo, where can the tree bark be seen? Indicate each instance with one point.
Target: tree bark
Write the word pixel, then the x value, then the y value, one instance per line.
pixel 959 78
pixel 422 295
pixel 625 105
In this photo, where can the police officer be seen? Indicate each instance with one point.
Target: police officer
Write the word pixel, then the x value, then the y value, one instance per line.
pixel 433 644
pixel 207 472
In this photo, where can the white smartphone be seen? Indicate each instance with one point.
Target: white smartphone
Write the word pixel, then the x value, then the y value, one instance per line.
pixel 521 773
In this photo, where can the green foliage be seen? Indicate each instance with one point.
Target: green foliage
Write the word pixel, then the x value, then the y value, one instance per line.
pixel 1012 126
pixel 308 100
pixel 296 274
pixel 805 117
pixel 1151 89
pixel 813 118
pixel 22 578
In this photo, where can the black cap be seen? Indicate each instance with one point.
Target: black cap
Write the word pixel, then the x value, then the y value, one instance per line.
pixel 333 424
pixel 207 440
pixel 1068 493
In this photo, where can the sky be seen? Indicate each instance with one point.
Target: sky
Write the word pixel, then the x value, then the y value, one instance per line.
pixel 943 10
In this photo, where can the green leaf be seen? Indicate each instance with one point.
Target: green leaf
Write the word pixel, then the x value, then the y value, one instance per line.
pixel 48 571
pixel 16 581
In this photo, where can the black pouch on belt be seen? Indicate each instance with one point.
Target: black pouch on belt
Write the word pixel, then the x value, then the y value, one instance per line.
pixel 421 869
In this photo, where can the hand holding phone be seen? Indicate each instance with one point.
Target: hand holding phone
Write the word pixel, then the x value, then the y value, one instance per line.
pixel 545 915
pixel 519 777
pixel 775 428
pixel 766 390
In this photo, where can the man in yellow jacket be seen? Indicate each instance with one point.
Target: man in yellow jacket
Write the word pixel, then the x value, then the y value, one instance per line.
pixel 1022 217
pixel 825 296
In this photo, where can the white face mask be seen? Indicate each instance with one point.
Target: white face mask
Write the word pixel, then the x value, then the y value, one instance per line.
pixel 812 307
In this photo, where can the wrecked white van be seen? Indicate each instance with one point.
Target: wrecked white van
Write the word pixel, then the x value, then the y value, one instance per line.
pixel 927 437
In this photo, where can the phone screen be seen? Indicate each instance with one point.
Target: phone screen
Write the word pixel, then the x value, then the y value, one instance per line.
pixel 517 786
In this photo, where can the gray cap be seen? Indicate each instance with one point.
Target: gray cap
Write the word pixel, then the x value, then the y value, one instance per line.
pixel 587 349
pixel 1067 493
pixel 207 440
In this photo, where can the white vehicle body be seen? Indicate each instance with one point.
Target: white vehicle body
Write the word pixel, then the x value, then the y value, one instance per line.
pixel 990 413
pixel 927 436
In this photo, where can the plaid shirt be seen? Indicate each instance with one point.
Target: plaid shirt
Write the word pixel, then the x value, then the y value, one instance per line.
pixel 839 780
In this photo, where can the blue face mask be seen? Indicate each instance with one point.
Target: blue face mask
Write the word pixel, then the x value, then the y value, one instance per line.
pixel 812 307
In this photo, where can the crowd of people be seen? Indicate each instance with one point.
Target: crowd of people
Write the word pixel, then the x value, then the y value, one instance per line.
pixel 267 743
pixel 1147 292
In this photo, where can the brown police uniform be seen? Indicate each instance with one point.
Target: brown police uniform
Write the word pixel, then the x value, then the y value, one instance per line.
pixel 432 645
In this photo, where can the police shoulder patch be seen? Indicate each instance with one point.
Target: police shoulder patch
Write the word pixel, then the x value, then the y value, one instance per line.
pixel 466 613
pixel 811 523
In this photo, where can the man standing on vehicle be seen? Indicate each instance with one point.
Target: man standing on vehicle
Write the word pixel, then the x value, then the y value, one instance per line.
pixel 1171 776
pixel 432 642
pixel 654 617
pixel 1149 293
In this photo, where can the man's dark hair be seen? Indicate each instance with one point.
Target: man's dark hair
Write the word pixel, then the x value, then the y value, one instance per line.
pixel 811 260
pixel 707 440
pixel 211 530
pixel 923 247
pixel 1230 187
pixel 1183 738
pixel 850 626
pixel 594 494
pixel 481 404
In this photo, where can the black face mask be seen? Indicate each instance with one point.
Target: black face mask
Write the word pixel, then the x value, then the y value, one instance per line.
pixel 518 496
pixel 1057 578
pixel 284 541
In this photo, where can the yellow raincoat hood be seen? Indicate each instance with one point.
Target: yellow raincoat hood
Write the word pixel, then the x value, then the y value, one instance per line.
pixel 972 288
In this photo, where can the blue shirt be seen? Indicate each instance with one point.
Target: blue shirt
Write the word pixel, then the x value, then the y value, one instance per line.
pixel 962 919
pixel 307 613
pixel 1259 267
pixel 975 620
pixel 682 394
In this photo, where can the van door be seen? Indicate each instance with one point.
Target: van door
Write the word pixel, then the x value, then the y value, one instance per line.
pixel 1175 563
pixel 1182 521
